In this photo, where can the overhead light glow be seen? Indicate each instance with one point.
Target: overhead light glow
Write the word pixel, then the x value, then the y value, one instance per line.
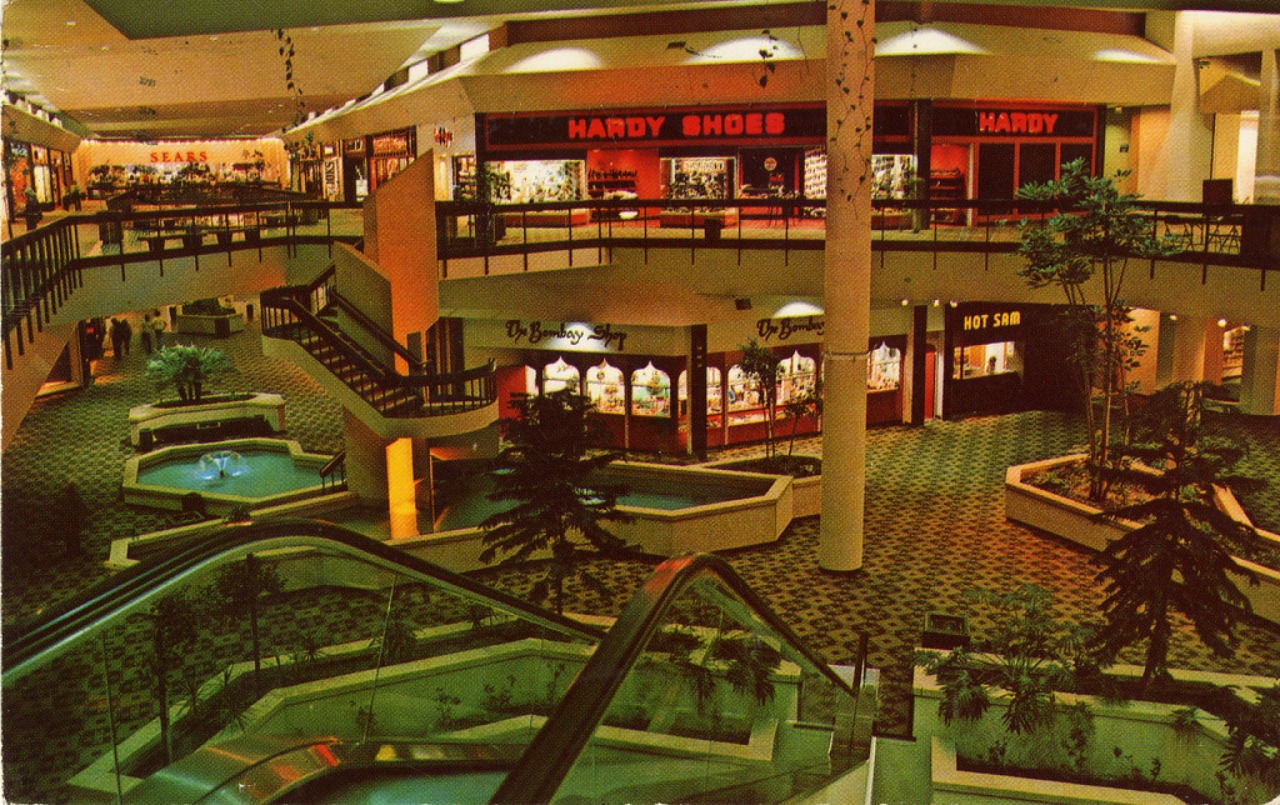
pixel 1125 56
pixel 797 308
pixel 748 49
pixel 925 42
pixel 557 59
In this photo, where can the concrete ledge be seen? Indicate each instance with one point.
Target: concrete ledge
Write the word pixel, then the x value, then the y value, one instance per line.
pixel 151 417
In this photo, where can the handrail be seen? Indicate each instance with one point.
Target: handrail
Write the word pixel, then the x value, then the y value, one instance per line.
pixel 380 335
pixel 552 752
pixel 57 628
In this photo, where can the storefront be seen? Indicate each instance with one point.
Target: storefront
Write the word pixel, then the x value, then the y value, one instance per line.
pixel 988 149
pixel 114 166
pixel 390 153
pixel 1005 357
pixel 355 170
pixel 45 170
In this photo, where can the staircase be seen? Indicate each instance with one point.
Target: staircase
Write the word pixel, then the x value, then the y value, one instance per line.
pixel 307 315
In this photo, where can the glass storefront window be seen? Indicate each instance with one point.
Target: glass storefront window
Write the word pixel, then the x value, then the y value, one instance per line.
pixel 559 376
pixel 981 360
pixel 605 390
pixel 650 392
pixel 884 368
pixel 538 180
pixel 797 377
pixel 715 391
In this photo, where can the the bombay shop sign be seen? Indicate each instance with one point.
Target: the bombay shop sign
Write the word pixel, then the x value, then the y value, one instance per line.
pixel 784 329
pixel 562 334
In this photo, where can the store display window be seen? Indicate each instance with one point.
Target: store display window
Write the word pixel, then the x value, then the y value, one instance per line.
pixel 746 402
pixel 559 376
pixel 892 175
pixel 605 389
pixel 815 173
pixel 531 381
pixel 538 180
pixel 699 177
pixel 983 360
pixel 650 392
pixel 797 378
pixel 884 368
pixel 715 391
pixel 1233 360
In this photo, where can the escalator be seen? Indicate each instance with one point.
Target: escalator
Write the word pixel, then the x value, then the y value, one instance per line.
pixel 295 661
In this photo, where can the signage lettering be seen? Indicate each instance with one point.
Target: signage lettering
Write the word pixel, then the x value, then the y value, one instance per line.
pixel 631 127
pixel 782 329
pixel 1017 122
pixel 983 321
pixel 535 332
pixel 733 124
pixel 179 156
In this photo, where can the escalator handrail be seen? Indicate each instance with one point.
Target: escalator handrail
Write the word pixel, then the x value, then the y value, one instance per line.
pixel 59 626
pixel 548 759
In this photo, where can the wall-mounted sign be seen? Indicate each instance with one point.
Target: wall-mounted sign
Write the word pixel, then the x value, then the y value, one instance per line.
pixel 784 329
pixel 795 124
pixel 391 144
pixel 981 323
pixel 179 156
pixel 353 146
pixel 951 121
pixel 560 335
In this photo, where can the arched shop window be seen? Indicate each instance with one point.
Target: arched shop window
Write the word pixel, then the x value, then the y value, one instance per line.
pixel 605 389
pixel 797 377
pixel 715 390
pixel 884 368
pixel 531 381
pixel 744 395
pixel 650 392
pixel 560 375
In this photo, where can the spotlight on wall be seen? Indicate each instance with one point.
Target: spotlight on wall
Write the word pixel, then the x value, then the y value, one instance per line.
pixel 937 302
pixel 1173 317
pixel 742 303
pixel 954 303
pixel 1222 323
pixel 905 301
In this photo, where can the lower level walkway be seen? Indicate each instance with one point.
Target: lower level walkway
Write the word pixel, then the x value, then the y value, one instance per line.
pixel 935 524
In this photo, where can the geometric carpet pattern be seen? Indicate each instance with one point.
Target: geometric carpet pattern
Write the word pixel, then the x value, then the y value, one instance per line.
pixel 934 521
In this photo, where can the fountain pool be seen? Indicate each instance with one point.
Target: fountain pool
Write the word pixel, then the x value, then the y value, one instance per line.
pixel 248 472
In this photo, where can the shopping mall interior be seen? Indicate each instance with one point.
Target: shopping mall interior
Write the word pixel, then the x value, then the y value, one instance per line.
pixel 275 274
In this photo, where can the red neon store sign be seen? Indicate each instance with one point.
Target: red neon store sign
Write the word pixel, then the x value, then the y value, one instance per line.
pixel 719 124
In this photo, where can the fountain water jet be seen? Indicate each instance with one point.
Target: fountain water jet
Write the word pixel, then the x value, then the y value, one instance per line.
pixel 221 464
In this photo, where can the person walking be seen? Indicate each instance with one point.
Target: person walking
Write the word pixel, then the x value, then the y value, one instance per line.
pixel 117 349
pixel 157 330
pixel 146 333
pixel 126 335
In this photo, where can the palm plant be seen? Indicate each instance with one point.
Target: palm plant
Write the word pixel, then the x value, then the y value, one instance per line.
pixel 188 369
pixel 171 624
pixel 1087 246
pixel 241 587
pixel 760 363
pixel 545 470
pixel 1180 557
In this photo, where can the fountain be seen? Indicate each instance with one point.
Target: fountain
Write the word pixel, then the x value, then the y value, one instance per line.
pixel 221 464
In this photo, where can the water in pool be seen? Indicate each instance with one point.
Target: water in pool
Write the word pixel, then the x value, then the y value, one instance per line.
pixel 269 473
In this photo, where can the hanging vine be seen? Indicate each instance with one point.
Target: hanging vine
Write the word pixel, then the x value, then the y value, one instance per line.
pixel 286 51
pixel 855 114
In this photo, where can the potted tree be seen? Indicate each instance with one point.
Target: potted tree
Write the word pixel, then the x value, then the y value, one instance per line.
pixel 209 317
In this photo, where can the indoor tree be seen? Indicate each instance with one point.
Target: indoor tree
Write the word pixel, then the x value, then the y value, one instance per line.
pixel 171 626
pixel 1180 557
pixel 188 369
pixel 759 363
pixel 544 476
pixel 1084 249
pixel 240 587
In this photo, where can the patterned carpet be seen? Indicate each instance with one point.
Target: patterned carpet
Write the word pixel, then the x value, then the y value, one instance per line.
pixel 934 521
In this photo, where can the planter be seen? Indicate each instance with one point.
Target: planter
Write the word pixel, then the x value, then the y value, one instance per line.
pixel 1079 523
pixel 1141 731
pixel 146 420
pixel 221 325
pixel 944 632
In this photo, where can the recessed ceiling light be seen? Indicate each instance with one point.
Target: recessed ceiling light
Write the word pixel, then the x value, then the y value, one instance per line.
pixel 71 23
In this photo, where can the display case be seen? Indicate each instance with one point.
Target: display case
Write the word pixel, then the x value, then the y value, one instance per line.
pixel 605 388
pixel 815 173
pixel 947 185
pixel 650 392
pixel 746 402
pixel 892 178
pixel 539 180
pixel 983 360
pixel 699 177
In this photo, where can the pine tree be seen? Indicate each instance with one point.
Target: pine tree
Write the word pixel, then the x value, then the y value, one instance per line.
pixel 546 471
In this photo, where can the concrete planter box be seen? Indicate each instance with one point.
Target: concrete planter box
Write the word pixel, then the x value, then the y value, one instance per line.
pixel 143 419
pixel 1079 523
pixel 220 326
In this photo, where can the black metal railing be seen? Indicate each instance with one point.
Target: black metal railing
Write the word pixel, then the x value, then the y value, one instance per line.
pixel 334 472
pixel 287 314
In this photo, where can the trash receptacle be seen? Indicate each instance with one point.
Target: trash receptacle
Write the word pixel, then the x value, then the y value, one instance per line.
pixel 712 227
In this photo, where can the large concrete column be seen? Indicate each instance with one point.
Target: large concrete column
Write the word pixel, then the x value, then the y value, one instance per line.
pixel 850 83
pixel 1181 349
pixel 1266 181
pixel 1260 374
pixel 1189 145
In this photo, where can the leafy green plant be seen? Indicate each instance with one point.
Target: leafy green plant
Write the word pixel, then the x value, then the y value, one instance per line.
pixel 171 624
pixel 445 704
pixel 1253 740
pixel 760 364
pixel 1083 249
pixel 188 369
pixel 545 472
pixel 241 588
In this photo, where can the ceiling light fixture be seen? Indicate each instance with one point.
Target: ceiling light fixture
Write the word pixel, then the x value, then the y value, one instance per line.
pixel 905 301
pixel 71 23
pixel 1222 322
